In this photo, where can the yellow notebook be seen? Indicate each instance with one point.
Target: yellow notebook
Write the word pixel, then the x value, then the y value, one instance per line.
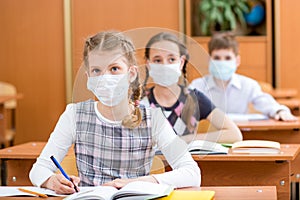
pixel 190 195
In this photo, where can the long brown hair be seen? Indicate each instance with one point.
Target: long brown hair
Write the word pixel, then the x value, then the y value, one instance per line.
pixel 190 104
pixel 110 41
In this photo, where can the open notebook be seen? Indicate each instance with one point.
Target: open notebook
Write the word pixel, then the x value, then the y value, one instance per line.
pixel 256 147
pixel 203 147
pixel 134 190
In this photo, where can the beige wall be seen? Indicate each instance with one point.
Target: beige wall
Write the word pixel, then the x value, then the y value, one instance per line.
pixel 31 57
pixel 32 49
pixel 288 43
pixel 91 16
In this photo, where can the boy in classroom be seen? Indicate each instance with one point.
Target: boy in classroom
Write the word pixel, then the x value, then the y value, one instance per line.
pixel 166 59
pixel 232 92
pixel 113 137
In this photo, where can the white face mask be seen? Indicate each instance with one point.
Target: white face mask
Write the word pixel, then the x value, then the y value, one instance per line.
pixel 222 69
pixel 109 89
pixel 165 75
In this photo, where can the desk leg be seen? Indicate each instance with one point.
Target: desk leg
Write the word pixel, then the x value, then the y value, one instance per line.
pixel 3 172
pixel 248 173
pixel 295 178
pixel 2 125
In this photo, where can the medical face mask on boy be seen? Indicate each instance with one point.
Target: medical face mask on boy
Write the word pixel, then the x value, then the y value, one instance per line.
pixel 165 75
pixel 222 69
pixel 109 89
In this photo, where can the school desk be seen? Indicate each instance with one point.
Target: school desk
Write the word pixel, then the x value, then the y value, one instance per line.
pixel 18 160
pixel 222 170
pixel 280 131
pixel 250 169
pixel 222 193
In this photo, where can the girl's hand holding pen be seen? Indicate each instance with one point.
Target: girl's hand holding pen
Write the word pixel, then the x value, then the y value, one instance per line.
pixel 61 185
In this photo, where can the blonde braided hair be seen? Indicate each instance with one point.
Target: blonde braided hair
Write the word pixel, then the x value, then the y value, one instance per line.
pixel 110 41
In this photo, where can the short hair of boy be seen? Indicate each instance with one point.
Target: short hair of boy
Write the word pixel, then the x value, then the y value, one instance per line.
pixel 224 40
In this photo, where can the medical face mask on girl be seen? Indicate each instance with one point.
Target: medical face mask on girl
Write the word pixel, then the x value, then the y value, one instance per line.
pixel 165 75
pixel 109 89
pixel 222 69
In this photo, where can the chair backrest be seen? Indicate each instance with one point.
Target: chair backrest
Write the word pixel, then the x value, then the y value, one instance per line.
pixel 8 89
pixel 69 165
pixel 266 87
pixel 204 126
pixel 158 166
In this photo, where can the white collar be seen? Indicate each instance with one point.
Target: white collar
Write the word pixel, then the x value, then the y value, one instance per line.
pixel 235 82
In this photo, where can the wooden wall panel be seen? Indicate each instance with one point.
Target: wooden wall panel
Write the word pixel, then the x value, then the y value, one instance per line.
pixel 253 52
pixel 32 58
pixel 92 16
pixel 287 47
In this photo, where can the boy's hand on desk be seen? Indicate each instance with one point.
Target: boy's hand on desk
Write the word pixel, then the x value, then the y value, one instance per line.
pixel 60 184
pixel 285 116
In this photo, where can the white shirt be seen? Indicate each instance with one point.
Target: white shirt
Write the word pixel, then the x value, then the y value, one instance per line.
pixel 185 170
pixel 236 97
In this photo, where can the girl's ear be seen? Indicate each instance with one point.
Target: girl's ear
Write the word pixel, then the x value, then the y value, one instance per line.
pixel 182 61
pixel 147 64
pixel 132 73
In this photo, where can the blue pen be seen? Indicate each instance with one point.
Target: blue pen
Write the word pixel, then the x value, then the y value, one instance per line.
pixel 62 171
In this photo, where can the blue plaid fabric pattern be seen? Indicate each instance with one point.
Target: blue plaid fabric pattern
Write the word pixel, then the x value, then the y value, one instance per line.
pixel 106 151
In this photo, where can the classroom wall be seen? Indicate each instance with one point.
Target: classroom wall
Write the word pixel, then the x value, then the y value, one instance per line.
pixel 32 58
pixel 32 49
pixel 288 43
pixel 92 16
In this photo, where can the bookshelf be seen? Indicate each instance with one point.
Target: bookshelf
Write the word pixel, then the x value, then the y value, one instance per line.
pixel 255 50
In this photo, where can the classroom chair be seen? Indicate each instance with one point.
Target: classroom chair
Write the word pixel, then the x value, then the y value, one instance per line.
pixel 266 87
pixel 10 113
pixel 69 165
pixel 204 126
pixel 158 166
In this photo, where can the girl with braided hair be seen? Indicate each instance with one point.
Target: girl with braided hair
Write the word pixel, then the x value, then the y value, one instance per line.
pixel 166 59
pixel 114 139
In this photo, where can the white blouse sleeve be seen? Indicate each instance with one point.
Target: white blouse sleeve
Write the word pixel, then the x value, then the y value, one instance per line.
pixel 61 139
pixel 264 102
pixel 185 171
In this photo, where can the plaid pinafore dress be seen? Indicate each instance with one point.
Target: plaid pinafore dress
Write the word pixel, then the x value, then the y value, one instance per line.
pixel 106 151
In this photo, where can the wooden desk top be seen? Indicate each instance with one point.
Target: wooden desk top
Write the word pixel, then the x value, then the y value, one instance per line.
pixel 269 124
pixel 222 193
pixel 242 192
pixel 284 93
pixel 30 150
pixel 288 153
pixel 291 103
